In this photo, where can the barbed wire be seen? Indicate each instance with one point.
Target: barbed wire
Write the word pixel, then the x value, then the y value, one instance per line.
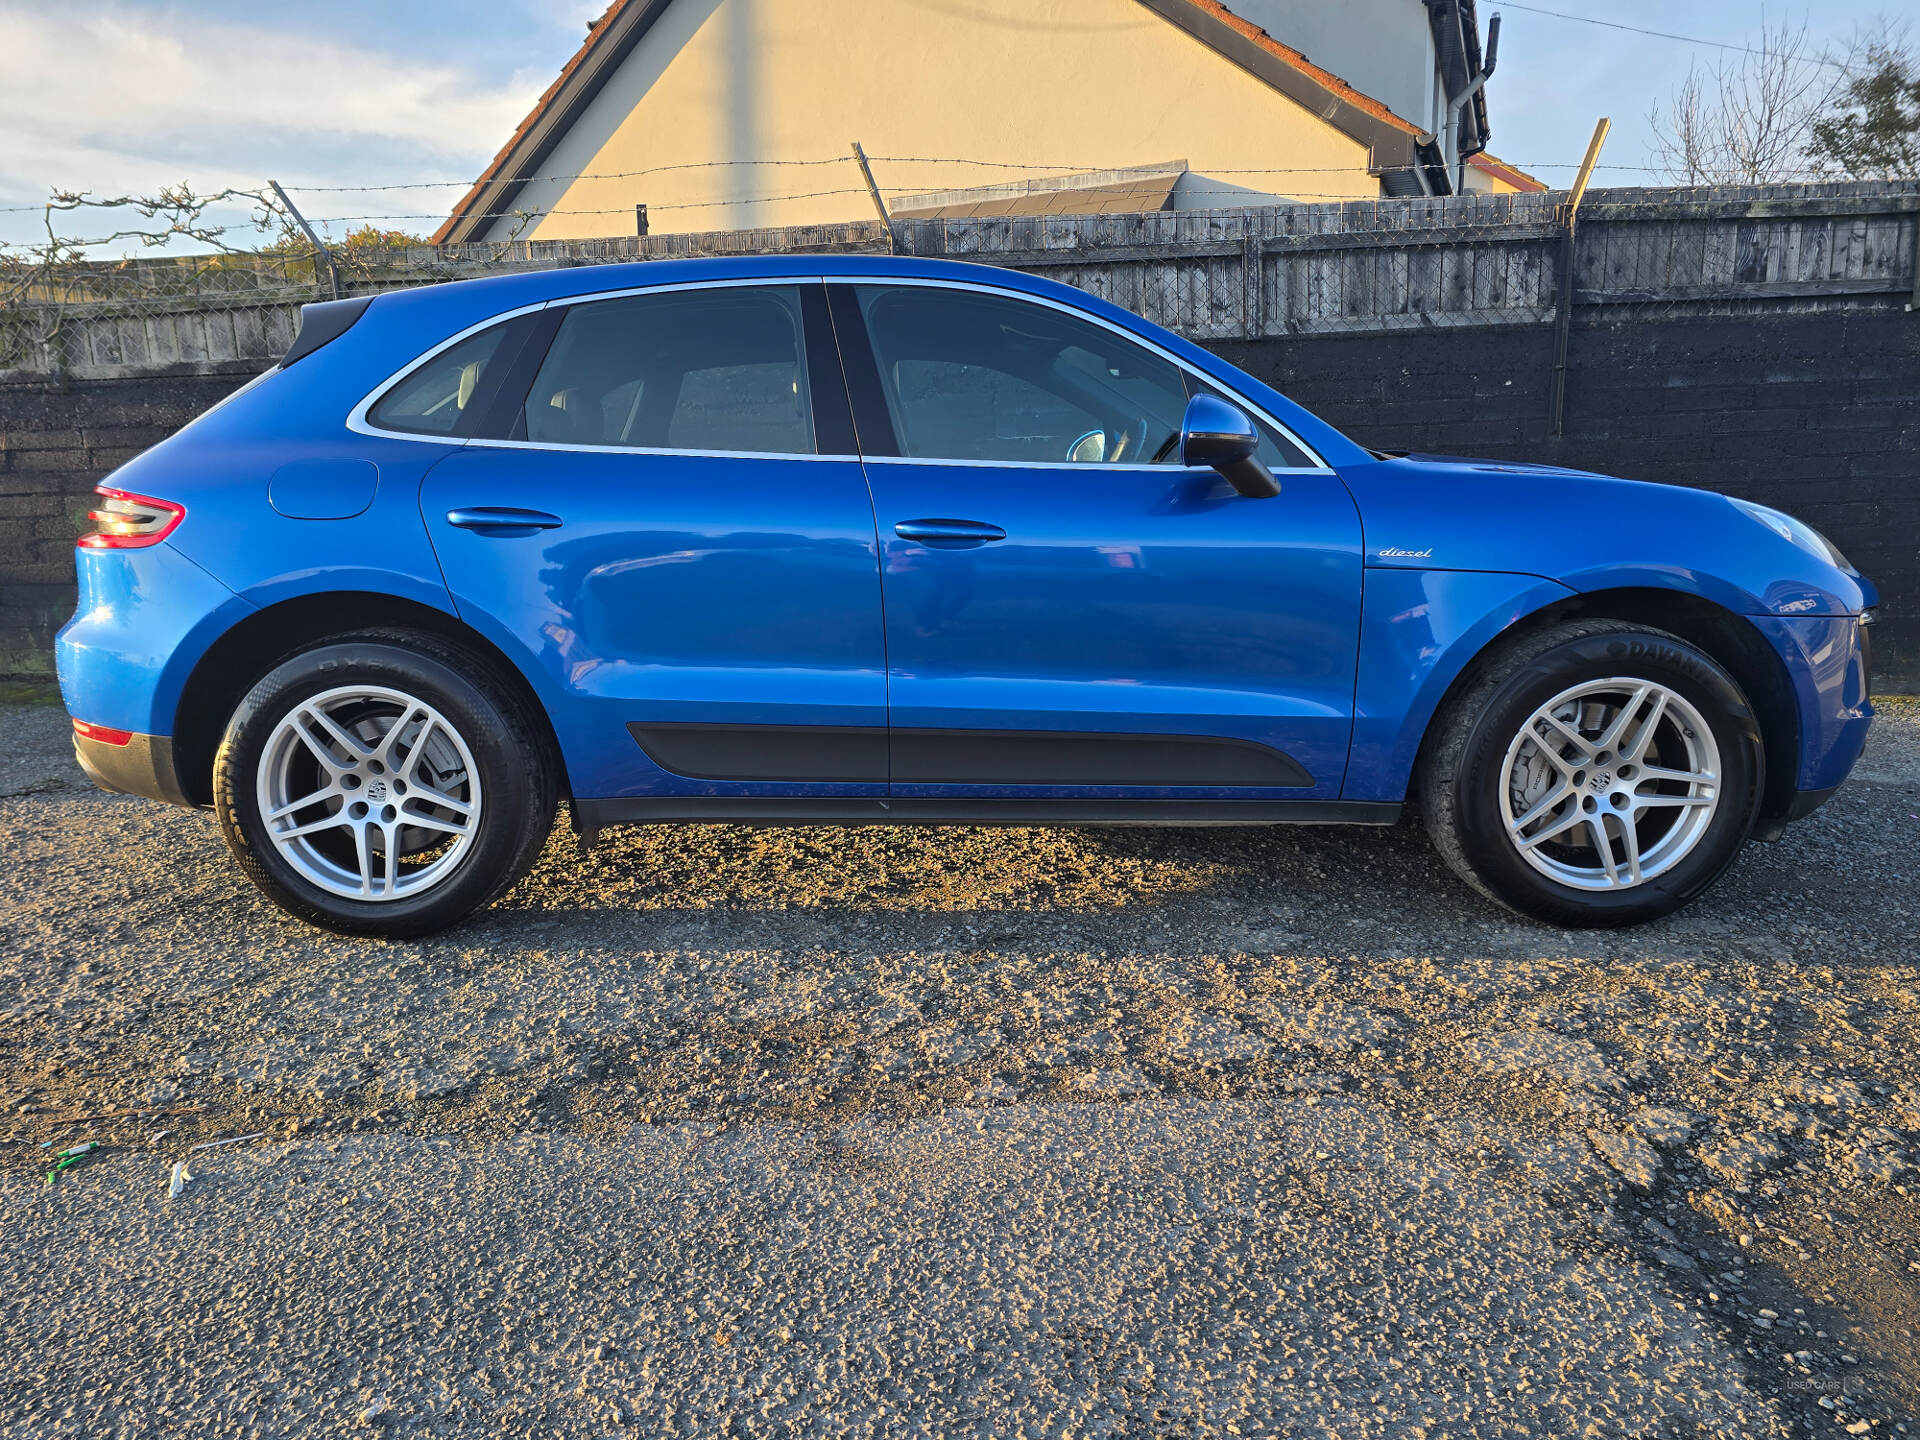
pixel 1058 168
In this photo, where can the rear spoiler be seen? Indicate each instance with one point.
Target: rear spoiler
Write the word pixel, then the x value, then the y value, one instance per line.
pixel 321 322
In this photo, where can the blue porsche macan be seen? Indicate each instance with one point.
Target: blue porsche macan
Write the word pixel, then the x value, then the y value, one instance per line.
pixel 848 539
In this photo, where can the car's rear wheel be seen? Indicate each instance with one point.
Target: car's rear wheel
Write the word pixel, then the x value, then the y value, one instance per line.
pixel 1596 773
pixel 383 784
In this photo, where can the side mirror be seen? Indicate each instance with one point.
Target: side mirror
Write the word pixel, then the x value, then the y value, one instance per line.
pixel 1222 437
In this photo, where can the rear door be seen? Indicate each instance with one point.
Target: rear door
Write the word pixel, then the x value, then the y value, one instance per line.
pixel 1069 610
pixel 673 530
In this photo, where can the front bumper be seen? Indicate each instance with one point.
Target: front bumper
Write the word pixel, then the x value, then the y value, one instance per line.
pixel 142 766
pixel 1828 667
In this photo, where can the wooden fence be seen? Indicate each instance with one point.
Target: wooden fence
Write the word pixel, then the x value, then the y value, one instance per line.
pixel 1286 270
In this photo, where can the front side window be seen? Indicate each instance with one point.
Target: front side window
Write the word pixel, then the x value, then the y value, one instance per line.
pixel 720 369
pixel 971 376
pixel 434 399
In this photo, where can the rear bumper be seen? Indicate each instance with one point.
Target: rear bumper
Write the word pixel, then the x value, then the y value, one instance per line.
pixel 142 766
pixel 144 618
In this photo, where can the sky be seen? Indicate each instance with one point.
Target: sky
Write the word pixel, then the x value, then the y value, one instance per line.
pixel 123 96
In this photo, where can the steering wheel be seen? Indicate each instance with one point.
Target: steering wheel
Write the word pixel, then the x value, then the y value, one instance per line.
pixel 1127 447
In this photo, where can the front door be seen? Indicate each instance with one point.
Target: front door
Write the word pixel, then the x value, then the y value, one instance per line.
pixel 677 537
pixel 1067 608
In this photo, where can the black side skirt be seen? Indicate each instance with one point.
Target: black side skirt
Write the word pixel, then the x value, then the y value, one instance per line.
pixel 872 754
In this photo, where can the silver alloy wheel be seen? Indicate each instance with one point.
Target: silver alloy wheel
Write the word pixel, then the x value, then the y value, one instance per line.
pixel 1610 783
pixel 369 793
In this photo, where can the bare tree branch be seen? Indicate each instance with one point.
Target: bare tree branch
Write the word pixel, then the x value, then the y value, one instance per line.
pixel 1747 120
pixel 38 282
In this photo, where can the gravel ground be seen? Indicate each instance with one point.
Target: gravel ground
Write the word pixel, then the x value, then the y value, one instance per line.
pixel 959 1132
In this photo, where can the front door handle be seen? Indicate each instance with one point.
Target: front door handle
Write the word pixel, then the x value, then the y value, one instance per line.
pixel 977 531
pixel 501 520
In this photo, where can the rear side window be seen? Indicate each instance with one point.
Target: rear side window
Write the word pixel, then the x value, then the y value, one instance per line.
pixel 720 369
pixel 435 398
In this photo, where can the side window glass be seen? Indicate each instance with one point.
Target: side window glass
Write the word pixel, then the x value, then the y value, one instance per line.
pixel 434 399
pixel 970 376
pixel 720 369
pixel 1276 451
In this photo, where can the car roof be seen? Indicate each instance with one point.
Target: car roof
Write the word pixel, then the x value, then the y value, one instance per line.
pixel 529 287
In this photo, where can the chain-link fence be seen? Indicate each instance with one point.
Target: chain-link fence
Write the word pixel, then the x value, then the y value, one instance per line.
pixel 89 316
pixel 1349 268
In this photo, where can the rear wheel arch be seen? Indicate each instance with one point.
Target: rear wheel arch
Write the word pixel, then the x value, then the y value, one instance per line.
pixel 235 662
pixel 1731 639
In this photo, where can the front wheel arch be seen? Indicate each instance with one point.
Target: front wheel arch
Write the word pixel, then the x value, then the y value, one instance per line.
pixel 1729 638
pixel 236 661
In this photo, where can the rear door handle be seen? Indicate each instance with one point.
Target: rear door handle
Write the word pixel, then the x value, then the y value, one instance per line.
pixel 977 531
pixel 501 520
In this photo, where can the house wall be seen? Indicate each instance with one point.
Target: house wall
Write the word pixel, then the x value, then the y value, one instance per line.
pixel 1061 85
pixel 1485 182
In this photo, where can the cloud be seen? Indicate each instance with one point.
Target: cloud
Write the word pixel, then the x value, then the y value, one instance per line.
pixel 108 98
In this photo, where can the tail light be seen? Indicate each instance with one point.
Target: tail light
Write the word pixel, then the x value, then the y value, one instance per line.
pixel 105 734
pixel 126 521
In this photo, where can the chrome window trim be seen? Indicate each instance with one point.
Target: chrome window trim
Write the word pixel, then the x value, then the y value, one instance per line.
pixel 1095 467
pixel 357 420
pixel 487 443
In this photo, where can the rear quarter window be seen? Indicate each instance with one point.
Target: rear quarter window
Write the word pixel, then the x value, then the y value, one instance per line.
pixel 438 396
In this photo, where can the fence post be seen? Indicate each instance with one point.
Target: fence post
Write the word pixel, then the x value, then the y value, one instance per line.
pixel 1252 304
pixel 1563 317
pixel 333 275
pixel 893 241
pixel 1914 304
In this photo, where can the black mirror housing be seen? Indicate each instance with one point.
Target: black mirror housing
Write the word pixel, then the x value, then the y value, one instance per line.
pixel 1224 438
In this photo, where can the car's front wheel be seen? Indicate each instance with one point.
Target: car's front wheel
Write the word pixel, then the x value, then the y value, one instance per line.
pixel 383 784
pixel 1597 773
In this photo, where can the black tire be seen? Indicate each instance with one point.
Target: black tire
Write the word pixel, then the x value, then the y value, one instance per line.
pixel 1461 768
pixel 518 795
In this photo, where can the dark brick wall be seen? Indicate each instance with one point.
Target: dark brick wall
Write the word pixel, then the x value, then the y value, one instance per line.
pixel 56 443
pixel 1816 413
